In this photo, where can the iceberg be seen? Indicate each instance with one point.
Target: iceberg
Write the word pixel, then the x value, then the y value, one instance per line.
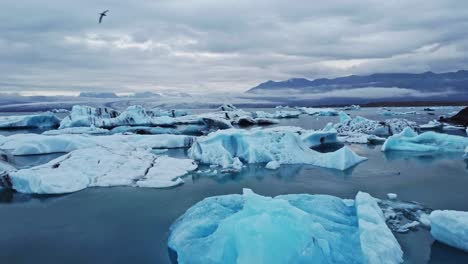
pixel 32 144
pixel 273 165
pixel 318 111
pixel 352 107
pixel 104 167
pixel 363 130
pixel 227 107
pixel 92 130
pixel 408 140
pixel 107 118
pixel 44 120
pixel 391 113
pixel 278 114
pixel 265 145
pixel 297 228
pixel 144 130
pixel 450 227
pixel 432 125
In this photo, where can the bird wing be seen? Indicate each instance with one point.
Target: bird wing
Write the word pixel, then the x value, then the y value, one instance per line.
pixel 100 19
pixel 105 11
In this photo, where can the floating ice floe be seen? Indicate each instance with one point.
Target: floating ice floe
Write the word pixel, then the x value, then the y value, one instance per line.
pixel 352 107
pixel 318 111
pixel 432 125
pixel 144 130
pixel 391 113
pixel 401 216
pixel 265 145
pixel 297 228
pixel 450 227
pixel 92 130
pixel 104 167
pixel 272 165
pixel 363 130
pixel 44 120
pixel 408 140
pixel 32 144
pixel 60 111
pixel 278 114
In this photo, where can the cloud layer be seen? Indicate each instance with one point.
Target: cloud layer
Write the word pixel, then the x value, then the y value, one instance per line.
pixel 231 45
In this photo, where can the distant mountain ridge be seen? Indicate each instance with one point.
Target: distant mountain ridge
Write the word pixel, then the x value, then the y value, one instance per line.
pixel 427 81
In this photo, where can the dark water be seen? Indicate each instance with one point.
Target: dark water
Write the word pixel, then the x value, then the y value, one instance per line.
pixel 130 225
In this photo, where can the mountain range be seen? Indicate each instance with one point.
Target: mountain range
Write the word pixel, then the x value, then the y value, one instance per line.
pixel 424 82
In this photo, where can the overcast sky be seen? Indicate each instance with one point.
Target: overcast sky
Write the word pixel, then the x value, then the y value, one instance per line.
pixel 57 46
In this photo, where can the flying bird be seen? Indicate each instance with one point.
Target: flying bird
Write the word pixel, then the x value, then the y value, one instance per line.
pixel 103 14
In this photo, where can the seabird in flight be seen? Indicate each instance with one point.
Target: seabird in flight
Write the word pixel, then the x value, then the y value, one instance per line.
pixel 103 14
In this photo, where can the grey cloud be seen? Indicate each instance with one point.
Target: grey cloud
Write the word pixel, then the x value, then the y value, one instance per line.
pixel 209 45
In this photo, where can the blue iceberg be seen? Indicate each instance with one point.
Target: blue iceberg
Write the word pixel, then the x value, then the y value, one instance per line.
pixel 297 228
pixel 450 227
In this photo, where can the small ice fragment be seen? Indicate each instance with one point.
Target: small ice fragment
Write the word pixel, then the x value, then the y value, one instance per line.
pixel 273 165
pixel 392 196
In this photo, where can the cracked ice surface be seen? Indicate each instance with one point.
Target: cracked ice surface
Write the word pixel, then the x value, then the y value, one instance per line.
pixel 104 167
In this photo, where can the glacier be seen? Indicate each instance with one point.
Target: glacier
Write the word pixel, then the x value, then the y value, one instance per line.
pixel 105 167
pixel 296 228
pixel 265 145
pixel 450 227
pixel 44 120
pixel 408 140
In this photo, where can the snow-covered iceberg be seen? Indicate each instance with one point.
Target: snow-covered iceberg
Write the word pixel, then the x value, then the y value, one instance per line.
pixel 363 130
pixel 408 140
pixel 104 167
pixel 265 145
pixel 450 227
pixel 297 228
pixel 32 144
pixel 44 120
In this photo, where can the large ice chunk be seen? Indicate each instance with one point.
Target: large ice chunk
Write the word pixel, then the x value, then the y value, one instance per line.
pixel 103 167
pixel 265 145
pixel 44 120
pixel 92 130
pixel 107 118
pixel 299 228
pixel 318 111
pixel 450 227
pixel 363 130
pixel 408 140
pixel 32 144
pixel 377 241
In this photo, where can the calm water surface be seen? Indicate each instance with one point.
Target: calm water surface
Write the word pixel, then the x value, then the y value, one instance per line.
pixel 130 225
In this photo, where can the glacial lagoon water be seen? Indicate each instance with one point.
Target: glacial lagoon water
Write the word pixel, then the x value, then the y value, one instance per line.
pixel 130 225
